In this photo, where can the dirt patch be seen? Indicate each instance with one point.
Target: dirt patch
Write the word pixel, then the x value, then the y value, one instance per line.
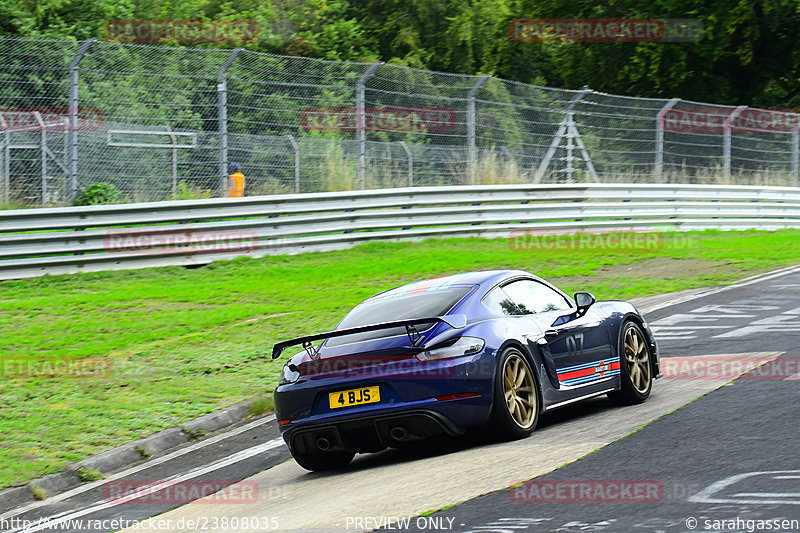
pixel 144 308
pixel 658 268
pixel 665 268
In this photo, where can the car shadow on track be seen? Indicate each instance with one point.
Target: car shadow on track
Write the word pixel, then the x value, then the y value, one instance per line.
pixel 475 438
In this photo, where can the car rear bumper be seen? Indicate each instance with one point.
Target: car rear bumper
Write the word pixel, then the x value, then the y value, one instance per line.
pixel 370 433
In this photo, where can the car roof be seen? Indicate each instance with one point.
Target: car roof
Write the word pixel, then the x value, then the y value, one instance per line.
pixel 484 278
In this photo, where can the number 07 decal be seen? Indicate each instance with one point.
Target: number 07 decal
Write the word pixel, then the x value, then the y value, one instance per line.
pixel 575 345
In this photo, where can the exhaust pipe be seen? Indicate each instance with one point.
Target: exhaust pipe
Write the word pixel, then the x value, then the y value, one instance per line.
pixel 323 444
pixel 398 433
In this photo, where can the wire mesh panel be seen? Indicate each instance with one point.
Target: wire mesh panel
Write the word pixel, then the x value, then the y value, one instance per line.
pixel 620 133
pixel 279 95
pixel 161 122
pixel 525 120
pixel 149 88
pixel 417 106
pixel 34 77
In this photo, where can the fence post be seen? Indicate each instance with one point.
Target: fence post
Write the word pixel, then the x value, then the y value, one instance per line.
pixel 72 138
pixel 174 142
pixel 296 162
pixel 361 86
pixel 472 150
pixel 222 111
pixel 4 155
pixel 570 145
pixel 410 157
pixel 659 170
pixel 796 151
pixel 65 165
pixel 726 141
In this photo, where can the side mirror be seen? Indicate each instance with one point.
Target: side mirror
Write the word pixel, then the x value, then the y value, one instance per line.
pixel 584 301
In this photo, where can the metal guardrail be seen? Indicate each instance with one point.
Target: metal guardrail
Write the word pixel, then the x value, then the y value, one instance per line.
pixel 36 242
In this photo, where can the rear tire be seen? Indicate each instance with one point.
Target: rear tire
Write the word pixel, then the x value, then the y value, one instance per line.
pixel 515 409
pixel 319 461
pixel 635 366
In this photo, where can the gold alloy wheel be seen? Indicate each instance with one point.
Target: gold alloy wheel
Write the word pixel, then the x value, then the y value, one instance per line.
pixel 637 359
pixel 519 391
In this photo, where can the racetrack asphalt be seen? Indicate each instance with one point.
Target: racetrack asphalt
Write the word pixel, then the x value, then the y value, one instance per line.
pixel 729 461
pixel 692 457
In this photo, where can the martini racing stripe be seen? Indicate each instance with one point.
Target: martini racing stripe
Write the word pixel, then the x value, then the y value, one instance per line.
pixel 585 372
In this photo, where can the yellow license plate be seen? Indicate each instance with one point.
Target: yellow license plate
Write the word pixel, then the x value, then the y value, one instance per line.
pixel 354 397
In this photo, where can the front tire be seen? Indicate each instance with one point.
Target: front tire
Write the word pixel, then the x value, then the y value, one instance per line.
pixel 515 410
pixel 635 368
pixel 318 461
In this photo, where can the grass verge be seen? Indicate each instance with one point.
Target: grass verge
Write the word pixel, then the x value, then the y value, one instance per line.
pixel 96 360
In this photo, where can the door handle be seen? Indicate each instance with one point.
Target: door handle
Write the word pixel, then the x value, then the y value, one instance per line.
pixel 551 333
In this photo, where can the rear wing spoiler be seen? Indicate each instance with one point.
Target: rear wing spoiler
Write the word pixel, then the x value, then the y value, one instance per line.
pixel 454 321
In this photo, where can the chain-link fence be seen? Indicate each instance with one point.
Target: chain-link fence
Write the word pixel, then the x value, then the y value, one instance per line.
pixel 163 122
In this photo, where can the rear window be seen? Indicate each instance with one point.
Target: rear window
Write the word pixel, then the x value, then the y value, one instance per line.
pixel 392 306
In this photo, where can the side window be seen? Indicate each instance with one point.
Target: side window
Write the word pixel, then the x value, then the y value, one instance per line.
pixel 497 301
pixel 533 297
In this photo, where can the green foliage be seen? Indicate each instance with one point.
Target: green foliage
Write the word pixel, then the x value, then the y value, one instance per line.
pixel 261 405
pixel 194 434
pixel 186 191
pixel 747 55
pixel 98 194
pixel 144 452
pixel 89 474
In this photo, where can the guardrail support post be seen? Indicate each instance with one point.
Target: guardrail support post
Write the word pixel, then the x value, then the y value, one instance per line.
pixel 72 138
pixel 410 157
pixel 361 124
pixel 296 150
pixel 472 149
pixel 726 141
pixel 43 154
pixel 659 166
pixel 222 111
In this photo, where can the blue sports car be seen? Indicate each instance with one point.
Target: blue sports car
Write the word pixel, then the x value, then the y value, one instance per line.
pixel 436 357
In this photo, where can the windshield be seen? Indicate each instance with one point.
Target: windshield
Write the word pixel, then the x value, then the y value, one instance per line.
pixel 394 305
